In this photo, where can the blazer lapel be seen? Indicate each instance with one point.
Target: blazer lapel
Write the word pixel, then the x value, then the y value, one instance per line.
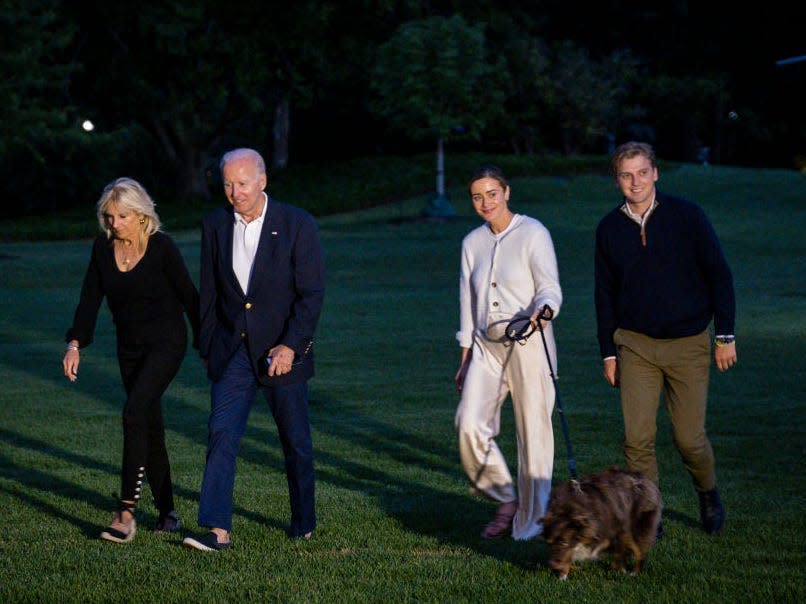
pixel 269 238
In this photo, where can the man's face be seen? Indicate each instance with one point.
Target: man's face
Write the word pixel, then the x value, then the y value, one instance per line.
pixel 636 178
pixel 243 186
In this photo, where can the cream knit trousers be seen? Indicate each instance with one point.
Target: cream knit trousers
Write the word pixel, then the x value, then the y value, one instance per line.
pixel 499 368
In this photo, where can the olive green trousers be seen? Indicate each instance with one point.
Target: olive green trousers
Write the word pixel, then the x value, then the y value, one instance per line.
pixel 677 368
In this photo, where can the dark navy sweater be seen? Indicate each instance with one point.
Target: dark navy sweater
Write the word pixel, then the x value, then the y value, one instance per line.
pixel 672 285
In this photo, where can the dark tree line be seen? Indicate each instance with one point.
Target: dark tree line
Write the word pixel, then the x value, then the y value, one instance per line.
pixel 169 85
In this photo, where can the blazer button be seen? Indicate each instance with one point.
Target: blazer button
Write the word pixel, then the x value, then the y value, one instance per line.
pixel 248 305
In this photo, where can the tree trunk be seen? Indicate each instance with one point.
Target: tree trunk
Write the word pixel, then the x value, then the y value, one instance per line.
pixel 440 168
pixel 194 182
pixel 282 126
pixel 200 185
pixel 439 206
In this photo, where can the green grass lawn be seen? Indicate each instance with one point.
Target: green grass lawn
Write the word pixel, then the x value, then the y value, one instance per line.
pixel 396 521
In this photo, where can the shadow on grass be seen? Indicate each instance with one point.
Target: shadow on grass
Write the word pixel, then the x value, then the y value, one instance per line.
pixel 31 481
pixel 420 507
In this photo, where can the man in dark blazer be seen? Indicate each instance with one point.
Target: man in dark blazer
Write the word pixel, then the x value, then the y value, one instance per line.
pixel 262 287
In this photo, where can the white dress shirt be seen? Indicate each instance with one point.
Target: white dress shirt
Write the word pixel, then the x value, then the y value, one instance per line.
pixel 245 238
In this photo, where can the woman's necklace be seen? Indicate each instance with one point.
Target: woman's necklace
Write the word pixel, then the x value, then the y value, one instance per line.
pixel 124 248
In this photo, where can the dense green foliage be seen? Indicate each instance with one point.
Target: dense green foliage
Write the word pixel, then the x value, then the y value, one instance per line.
pixel 428 78
pixel 169 86
pixel 396 522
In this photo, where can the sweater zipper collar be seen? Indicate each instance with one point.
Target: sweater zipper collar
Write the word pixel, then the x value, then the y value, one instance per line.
pixel 642 219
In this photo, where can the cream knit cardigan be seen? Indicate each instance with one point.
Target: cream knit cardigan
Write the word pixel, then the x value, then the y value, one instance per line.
pixel 506 274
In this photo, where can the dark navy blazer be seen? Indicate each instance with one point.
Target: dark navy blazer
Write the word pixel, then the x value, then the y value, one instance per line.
pixel 284 297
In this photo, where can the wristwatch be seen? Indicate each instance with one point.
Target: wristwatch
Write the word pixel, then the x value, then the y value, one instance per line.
pixel 724 340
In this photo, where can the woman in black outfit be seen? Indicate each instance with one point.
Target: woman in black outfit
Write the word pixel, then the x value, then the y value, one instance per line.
pixel 148 289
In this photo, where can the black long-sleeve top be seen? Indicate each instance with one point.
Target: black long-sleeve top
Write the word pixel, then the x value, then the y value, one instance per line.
pixel 668 286
pixel 144 301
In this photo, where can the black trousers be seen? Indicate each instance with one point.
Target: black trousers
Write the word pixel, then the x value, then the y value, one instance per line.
pixel 148 364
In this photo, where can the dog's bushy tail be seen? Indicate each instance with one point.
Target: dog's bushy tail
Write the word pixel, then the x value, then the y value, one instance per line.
pixel 646 515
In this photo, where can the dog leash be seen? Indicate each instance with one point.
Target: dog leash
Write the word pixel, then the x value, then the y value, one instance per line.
pixel 521 333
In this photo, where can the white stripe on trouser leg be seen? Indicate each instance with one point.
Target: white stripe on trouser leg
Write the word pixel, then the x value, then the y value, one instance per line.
pixel 496 370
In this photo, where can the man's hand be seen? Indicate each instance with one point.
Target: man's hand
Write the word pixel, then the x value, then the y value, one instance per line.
pixel 611 372
pixel 281 359
pixel 725 356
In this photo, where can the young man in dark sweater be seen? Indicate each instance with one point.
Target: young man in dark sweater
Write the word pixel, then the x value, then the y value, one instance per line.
pixel 661 277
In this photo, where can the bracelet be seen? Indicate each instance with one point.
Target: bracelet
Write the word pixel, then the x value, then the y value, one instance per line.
pixel 72 347
pixel 724 340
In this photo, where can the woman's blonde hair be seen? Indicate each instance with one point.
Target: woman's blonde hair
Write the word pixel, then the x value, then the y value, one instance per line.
pixel 128 194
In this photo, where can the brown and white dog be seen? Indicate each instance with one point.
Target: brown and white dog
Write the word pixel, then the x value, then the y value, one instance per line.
pixel 616 512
